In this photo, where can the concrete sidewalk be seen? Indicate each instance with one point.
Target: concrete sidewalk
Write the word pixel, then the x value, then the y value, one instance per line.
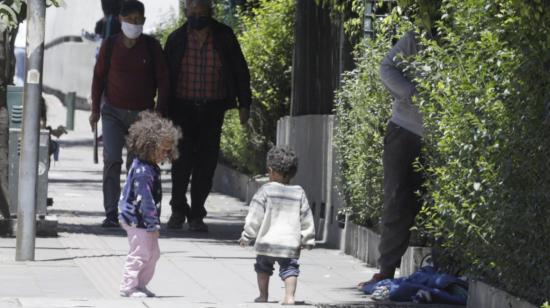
pixel 82 267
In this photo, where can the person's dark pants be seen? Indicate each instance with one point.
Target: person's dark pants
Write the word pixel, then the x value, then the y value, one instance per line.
pixel 401 202
pixel 287 267
pixel 199 150
pixel 115 124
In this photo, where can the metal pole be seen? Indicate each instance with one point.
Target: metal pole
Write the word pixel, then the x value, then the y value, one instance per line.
pixel 28 167
pixel 70 101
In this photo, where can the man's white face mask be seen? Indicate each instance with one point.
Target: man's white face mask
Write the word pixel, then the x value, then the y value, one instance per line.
pixel 131 31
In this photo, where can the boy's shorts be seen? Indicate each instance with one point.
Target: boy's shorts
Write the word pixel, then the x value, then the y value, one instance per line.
pixel 287 267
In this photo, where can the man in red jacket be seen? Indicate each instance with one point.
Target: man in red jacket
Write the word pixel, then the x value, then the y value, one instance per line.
pixel 208 75
pixel 130 69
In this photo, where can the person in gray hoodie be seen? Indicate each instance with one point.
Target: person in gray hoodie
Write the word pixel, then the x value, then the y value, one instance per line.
pixel 402 144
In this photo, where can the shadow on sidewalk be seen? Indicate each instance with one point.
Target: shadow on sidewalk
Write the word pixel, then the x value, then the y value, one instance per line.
pixel 83 257
pixel 76 213
pixel 221 231
pixel 77 142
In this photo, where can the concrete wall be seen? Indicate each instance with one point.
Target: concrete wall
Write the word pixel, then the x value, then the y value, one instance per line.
pixel 482 295
pixel 68 67
pixel 362 243
pixel 311 137
pixel 233 183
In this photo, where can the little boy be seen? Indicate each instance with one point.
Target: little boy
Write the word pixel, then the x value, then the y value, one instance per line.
pixel 281 222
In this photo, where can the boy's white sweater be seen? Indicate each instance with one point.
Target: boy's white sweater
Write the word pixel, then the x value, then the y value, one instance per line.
pixel 280 220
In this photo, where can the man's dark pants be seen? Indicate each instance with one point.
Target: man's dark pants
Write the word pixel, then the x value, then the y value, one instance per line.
pixel 199 150
pixel 401 202
pixel 115 124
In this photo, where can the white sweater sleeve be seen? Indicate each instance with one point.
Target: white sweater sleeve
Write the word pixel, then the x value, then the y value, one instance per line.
pixel 307 224
pixel 255 215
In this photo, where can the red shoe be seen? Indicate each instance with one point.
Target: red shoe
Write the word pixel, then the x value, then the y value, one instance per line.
pixel 375 278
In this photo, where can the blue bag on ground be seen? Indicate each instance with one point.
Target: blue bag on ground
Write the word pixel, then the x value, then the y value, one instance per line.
pixel 424 286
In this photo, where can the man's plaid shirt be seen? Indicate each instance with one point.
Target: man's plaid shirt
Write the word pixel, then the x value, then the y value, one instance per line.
pixel 201 71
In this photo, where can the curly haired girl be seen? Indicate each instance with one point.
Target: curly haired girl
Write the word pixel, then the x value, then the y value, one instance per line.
pixel 153 140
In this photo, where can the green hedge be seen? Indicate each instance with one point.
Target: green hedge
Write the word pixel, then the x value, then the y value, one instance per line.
pixel 362 110
pixel 267 40
pixel 484 89
pixel 363 107
pixel 484 93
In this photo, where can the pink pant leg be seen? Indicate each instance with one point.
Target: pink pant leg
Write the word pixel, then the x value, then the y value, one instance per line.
pixel 141 260
pixel 148 270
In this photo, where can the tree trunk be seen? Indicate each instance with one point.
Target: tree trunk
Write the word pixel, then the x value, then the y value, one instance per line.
pixel 7 40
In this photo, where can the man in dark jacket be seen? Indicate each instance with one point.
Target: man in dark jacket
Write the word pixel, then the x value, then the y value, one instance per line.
pixel 208 75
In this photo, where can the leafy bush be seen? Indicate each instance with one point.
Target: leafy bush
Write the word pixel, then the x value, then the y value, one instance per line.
pixel 484 90
pixel 267 41
pixel 363 107
pixel 484 93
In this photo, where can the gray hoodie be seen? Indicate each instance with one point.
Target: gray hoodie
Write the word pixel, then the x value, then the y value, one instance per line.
pixel 404 113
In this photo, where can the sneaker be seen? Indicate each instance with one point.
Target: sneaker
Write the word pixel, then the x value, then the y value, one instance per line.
pixel 198 225
pixel 109 223
pixel 381 293
pixel 137 293
pixel 176 221
pixel 146 291
pixel 134 293
pixel 375 278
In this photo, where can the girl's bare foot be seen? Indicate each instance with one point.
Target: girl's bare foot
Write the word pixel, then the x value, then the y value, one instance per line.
pixel 261 300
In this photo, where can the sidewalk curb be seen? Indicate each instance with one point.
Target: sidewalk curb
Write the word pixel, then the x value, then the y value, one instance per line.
pixel 386 304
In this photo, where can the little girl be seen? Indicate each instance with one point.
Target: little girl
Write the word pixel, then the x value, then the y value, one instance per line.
pixel 152 140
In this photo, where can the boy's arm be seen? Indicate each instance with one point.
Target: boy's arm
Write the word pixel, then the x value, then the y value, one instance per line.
pixel 307 224
pixel 255 216
pixel 143 186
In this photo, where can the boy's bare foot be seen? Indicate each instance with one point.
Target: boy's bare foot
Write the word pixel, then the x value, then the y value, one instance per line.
pixel 261 300
pixel 288 302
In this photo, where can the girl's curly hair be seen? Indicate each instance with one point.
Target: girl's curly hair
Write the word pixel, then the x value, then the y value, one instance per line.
pixel 147 134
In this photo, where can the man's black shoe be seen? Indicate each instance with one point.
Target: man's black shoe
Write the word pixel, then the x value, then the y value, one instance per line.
pixel 198 225
pixel 109 223
pixel 176 221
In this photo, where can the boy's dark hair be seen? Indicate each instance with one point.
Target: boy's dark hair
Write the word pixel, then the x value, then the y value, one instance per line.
pixel 132 6
pixel 282 160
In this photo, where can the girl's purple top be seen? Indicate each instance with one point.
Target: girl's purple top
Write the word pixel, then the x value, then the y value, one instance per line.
pixel 139 204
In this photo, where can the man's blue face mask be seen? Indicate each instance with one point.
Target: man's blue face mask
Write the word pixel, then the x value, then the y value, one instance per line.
pixel 199 22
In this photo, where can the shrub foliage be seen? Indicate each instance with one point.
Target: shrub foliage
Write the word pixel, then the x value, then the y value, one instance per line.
pixel 267 41
pixel 485 94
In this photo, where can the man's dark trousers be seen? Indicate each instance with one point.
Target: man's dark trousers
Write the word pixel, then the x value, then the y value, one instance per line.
pixel 199 149
pixel 401 202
